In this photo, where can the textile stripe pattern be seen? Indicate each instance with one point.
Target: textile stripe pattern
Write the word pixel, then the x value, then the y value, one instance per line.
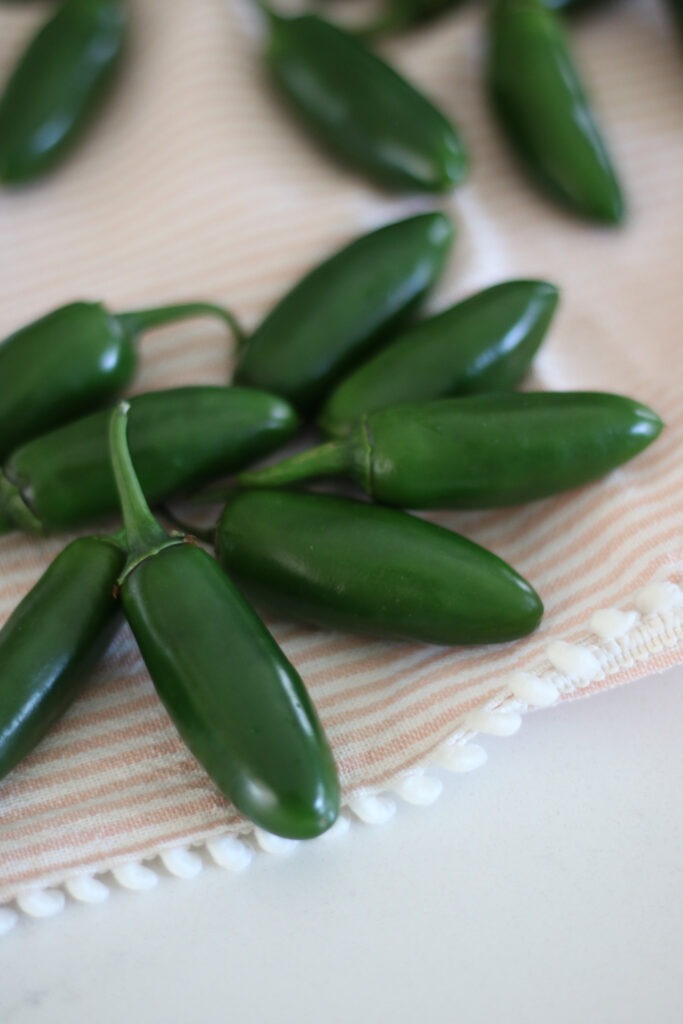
pixel 195 181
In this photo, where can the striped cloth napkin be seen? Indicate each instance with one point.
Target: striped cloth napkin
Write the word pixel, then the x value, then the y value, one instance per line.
pixel 195 182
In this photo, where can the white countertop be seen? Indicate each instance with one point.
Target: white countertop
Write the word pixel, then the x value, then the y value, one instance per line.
pixel 545 886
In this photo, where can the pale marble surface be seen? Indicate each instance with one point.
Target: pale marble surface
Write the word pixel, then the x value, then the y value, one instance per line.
pixel 545 886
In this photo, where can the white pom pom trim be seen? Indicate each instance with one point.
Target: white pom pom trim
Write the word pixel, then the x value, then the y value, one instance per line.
pixel 87 889
pixel 274 844
pixel 230 853
pixel 657 598
pixel 41 902
pixel 622 636
pixel 532 690
pixel 493 722
pixel 419 789
pixel 372 808
pixel 460 757
pixel 135 876
pixel 182 863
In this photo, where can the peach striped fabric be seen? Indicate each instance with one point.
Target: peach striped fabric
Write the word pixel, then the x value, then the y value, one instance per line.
pixel 194 182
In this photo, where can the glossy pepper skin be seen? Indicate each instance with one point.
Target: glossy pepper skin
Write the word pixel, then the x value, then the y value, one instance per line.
pixel 484 343
pixel 75 359
pixel 482 451
pixel 342 309
pixel 538 96
pixel 237 702
pixel 352 566
pixel 361 109
pixel 52 640
pixel 179 438
pixel 58 84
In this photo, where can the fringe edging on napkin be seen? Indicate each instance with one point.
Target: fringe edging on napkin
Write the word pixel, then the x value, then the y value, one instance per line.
pixel 645 634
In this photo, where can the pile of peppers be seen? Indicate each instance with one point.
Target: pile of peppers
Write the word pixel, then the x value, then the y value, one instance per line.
pixel 358 107
pixel 415 413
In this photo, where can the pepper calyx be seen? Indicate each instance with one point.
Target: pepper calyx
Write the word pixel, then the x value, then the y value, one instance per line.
pixel 134 561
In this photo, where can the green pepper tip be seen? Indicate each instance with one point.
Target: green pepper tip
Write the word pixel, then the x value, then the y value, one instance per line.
pixel 304 815
pixel 530 612
pixel 614 211
pixel 649 424
pixel 456 165
pixel 443 228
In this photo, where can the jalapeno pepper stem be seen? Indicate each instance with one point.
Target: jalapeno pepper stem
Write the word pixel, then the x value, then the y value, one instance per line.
pixel 144 534
pixel 331 459
pixel 140 320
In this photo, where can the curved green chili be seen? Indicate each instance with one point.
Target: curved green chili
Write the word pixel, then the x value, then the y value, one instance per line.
pixel 343 309
pixel 349 565
pixel 180 439
pixel 75 359
pixel 542 107
pixel 237 702
pixel 481 451
pixel 360 108
pixel 52 640
pixel 484 343
pixel 57 85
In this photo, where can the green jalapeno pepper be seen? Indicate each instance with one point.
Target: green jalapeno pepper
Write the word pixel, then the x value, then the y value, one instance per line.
pixel 74 359
pixel 541 104
pixel 482 451
pixel 237 702
pixel 484 343
pixel 360 108
pixel 57 85
pixel 343 308
pixel 53 639
pixel 180 438
pixel 352 566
